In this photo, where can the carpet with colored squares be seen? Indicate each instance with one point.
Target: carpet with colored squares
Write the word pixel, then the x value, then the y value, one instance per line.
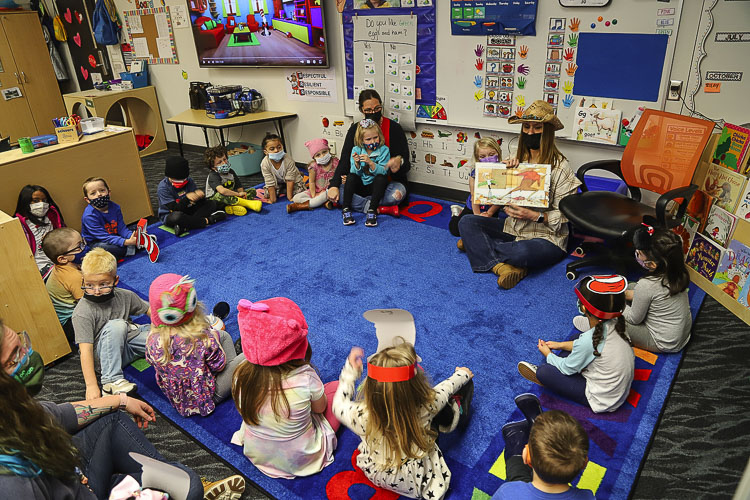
pixel 335 273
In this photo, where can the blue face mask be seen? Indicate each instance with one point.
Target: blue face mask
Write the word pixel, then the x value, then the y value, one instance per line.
pixel 373 145
pixel 223 168
pixel 78 258
pixel 489 159
pixel 277 156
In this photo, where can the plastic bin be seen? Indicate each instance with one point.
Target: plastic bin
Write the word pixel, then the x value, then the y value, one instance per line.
pixel 595 183
pixel 248 162
pixel 139 79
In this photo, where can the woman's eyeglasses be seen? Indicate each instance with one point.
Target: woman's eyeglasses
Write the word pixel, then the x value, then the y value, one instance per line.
pixel 376 109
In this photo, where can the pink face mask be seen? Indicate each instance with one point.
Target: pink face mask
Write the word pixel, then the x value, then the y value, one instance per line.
pixel 641 262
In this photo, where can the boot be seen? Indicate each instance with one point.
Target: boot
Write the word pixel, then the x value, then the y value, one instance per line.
pixel 508 276
pixel 390 210
pixel 254 205
pixel 516 436
pixel 229 488
pixel 329 205
pixel 296 207
pixel 235 210
pixel 530 406
pixel 147 241
pixel 460 245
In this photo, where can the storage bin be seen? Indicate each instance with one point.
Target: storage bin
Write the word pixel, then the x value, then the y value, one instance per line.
pixel 139 79
pixel 69 133
pixel 92 125
pixel 247 162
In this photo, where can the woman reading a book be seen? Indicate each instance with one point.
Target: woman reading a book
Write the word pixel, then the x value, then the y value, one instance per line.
pixel 527 238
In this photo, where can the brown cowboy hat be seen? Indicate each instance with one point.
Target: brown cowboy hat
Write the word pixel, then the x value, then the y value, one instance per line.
pixel 538 111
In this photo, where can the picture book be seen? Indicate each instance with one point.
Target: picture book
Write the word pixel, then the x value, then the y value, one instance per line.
pixel 733 270
pixel 687 231
pixel 744 297
pixel 704 256
pixel 699 207
pixel 725 186
pixel 731 147
pixel 720 225
pixel 743 206
pixel 526 185
pixel 597 125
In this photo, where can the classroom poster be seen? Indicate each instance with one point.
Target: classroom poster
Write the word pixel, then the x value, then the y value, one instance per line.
pixel 385 49
pixel 334 129
pixel 314 85
pixel 479 17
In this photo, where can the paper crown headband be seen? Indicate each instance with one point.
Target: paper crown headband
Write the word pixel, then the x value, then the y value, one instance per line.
pixel 392 327
pixel 603 285
pixel 392 373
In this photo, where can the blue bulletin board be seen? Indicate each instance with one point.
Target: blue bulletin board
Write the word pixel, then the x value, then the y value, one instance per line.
pixel 480 17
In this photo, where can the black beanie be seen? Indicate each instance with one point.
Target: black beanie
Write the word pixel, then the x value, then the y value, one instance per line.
pixel 177 168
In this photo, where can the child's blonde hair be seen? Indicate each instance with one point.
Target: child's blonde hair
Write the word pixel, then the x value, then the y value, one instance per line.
pixel 367 124
pixel 194 331
pixel 487 143
pixel 89 181
pixel 99 261
pixel 394 408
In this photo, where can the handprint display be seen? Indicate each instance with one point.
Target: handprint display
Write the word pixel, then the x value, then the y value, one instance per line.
pixel 521 101
pixel 521 82
pixel 573 40
pixel 569 54
pixel 523 69
pixel 568 101
pixel 519 112
pixel 574 23
pixel 523 51
pixel 479 64
pixel 571 69
pixel 479 95
pixel 478 80
pixel 568 87
pixel 479 50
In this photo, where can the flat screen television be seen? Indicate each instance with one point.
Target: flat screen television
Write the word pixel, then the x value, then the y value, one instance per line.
pixel 265 33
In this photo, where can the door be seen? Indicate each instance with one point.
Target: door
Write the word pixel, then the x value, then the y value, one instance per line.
pixel 35 69
pixel 88 56
pixel 15 115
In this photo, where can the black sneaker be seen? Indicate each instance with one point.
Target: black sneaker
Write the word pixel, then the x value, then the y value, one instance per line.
pixel 217 217
pixel 178 230
pixel 221 310
pixel 347 215
pixel 372 218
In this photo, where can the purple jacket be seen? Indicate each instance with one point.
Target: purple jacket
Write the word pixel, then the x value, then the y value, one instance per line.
pixel 54 217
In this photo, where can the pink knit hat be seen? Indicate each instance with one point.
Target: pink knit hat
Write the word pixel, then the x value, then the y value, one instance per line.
pixel 172 299
pixel 273 331
pixel 316 146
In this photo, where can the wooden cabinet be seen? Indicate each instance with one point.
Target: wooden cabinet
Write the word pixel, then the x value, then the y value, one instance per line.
pixel 25 64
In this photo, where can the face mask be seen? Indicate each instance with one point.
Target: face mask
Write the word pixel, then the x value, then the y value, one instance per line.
pixel 100 202
pixel 78 258
pixel 181 184
pixel 277 156
pixel 223 168
pixel 642 262
pixel 100 299
pixel 30 372
pixel 533 141
pixel 373 146
pixel 39 209
pixel 323 160
pixel 490 159
pixel 581 309
pixel 374 116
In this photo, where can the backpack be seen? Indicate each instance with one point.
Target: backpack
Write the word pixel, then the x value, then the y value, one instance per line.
pixel 60 34
pixel 106 29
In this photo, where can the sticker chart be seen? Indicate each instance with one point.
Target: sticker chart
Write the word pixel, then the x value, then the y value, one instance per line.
pixel 384 60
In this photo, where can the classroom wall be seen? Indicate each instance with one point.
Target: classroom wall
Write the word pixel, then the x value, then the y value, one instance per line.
pixel 172 89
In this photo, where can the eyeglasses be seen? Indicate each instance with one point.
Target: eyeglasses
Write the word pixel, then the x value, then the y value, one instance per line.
pixel 18 359
pixel 80 247
pixel 376 109
pixel 98 288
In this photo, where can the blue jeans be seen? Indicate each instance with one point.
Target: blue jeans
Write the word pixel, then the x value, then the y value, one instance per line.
pixel 572 387
pixel 104 447
pixel 487 245
pixel 395 193
pixel 118 251
pixel 118 346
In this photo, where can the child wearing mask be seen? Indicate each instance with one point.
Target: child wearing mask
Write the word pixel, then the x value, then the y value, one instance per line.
pixel 224 187
pixel 280 173
pixel 38 214
pixel 321 170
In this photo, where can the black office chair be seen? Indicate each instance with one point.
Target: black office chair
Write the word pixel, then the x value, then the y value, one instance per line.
pixel 661 156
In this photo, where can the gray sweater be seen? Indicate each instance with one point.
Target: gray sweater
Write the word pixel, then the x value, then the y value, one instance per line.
pixel 667 317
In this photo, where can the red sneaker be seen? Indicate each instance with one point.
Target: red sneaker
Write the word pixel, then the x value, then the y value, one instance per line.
pixel 391 210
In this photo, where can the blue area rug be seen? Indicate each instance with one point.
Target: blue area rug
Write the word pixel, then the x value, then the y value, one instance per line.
pixel 335 273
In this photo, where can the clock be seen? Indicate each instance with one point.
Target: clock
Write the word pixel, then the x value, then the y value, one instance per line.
pixel 584 3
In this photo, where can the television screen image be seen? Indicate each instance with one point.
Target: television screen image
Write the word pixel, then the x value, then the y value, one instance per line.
pixel 259 33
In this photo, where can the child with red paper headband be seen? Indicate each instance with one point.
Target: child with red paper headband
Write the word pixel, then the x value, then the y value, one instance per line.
pixel 287 428
pixel 393 416
pixel 595 369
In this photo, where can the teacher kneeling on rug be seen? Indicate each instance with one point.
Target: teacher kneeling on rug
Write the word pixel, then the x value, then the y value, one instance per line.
pixel 527 238
pixel 371 105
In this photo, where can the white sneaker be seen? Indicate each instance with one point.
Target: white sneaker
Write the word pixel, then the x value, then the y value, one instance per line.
pixel 119 386
pixel 215 322
pixel 528 371
pixel 456 210
pixel 230 488
pixel 581 323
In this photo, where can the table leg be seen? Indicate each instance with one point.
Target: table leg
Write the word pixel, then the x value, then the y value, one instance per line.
pixel 221 135
pixel 179 138
pixel 281 132
pixel 205 134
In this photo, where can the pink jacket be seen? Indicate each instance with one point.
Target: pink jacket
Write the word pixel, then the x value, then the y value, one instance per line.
pixel 54 217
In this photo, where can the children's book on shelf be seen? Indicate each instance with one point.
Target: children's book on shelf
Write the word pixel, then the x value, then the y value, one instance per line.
pixel 526 185
pixel 704 256
pixel 720 225
pixel 732 147
pixel 733 270
pixel 687 231
pixel 699 207
pixel 743 206
pixel 725 186
pixel 744 297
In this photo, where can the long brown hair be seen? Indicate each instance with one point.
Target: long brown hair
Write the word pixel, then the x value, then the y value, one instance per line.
pixel 253 384
pixel 548 154
pixel 394 408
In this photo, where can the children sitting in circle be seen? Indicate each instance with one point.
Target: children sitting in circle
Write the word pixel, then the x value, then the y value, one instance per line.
pixel 486 150
pixel 224 187
pixel 320 170
pixel 193 363
pixel 280 173
pixel 288 428
pixel 38 215
pixel 398 454
pixel 368 175
pixel 596 368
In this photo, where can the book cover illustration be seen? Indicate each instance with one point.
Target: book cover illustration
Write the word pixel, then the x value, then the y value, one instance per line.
pixel 720 225
pixel 733 270
pixel 699 207
pixel 597 125
pixel 704 256
pixel 725 186
pixel 526 185
pixel 743 207
pixel 744 297
pixel 731 147
pixel 687 231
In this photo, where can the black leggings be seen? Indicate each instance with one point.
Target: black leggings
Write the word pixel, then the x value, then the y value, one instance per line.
pixel 193 217
pixel 453 224
pixel 376 190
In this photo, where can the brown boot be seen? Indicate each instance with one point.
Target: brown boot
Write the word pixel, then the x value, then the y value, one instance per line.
pixel 295 207
pixel 508 276
pixel 460 245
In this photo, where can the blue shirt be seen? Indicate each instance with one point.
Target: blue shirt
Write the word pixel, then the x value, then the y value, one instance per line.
pixel 518 490
pixel 380 157
pixel 106 227
pixel 167 194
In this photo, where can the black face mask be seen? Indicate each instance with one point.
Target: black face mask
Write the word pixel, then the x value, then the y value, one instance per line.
pixel 374 116
pixel 100 299
pixel 533 141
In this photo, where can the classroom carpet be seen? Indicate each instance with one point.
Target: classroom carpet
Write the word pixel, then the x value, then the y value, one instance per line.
pixel 335 273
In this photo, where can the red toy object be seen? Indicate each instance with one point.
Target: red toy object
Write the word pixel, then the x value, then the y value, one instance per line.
pixel 147 241
pixel 390 210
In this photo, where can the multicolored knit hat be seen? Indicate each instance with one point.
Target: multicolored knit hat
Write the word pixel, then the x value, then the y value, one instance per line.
pixel 172 299
pixel 273 331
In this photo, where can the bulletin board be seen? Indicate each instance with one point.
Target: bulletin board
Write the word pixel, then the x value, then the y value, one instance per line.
pixel 546 66
pixel 151 36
